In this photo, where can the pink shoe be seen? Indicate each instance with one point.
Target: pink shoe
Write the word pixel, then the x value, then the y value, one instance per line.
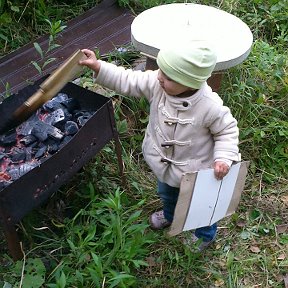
pixel 158 221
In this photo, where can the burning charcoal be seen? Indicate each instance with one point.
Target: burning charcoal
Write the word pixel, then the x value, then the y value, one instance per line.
pixel 25 128
pixel 4 176
pixel 39 131
pixel 28 152
pixel 2 155
pixel 79 113
pixel 67 117
pixel 40 152
pixel 56 133
pixel 71 128
pixel 27 140
pixel 22 169
pixel 33 145
pixel 61 97
pixel 18 155
pixel 65 141
pixel 55 102
pixel 53 147
pixel 71 104
pixel 42 130
pixel 51 106
pixel 8 139
pixel 84 118
pixel 55 117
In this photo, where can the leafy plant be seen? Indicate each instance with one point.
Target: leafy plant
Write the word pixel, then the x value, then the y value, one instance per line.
pixel 30 274
pixel 106 242
pixel 255 95
pixel 55 28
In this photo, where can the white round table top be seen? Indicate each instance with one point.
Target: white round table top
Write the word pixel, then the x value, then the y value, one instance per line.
pixel 168 24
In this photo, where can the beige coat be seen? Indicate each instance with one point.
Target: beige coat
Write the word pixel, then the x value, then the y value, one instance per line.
pixel 183 134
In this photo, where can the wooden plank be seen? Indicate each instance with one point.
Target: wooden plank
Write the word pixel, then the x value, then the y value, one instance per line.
pixel 104 27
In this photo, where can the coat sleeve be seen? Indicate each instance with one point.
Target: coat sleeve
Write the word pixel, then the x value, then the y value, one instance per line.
pixel 223 127
pixel 126 81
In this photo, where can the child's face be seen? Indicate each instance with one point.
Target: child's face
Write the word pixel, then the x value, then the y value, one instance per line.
pixel 171 87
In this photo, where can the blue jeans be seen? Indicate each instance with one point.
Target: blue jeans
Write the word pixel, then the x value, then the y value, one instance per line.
pixel 169 197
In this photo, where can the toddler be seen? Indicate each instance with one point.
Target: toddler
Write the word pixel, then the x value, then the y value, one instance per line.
pixel 189 128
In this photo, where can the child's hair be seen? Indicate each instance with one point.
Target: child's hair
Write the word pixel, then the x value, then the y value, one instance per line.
pixel 189 64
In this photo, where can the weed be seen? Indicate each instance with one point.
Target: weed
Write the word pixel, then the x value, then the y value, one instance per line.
pixel 26 275
pixel 54 29
pixel 107 242
pixel 254 91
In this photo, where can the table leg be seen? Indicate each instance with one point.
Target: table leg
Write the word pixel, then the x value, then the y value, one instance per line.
pixel 215 80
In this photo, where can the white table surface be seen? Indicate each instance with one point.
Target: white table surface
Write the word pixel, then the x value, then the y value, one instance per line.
pixel 168 24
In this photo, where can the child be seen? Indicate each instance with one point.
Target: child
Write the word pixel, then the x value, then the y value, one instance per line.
pixel 189 128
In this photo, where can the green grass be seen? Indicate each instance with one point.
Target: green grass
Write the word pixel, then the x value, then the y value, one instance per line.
pixel 93 232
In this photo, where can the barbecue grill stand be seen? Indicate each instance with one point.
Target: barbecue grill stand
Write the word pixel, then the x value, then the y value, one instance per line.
pixel 35 187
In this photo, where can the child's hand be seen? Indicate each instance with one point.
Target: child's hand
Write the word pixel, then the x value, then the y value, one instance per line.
pixel 91 60
pixel 220 169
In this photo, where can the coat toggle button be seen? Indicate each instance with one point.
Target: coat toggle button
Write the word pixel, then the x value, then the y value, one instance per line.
pixel 165 161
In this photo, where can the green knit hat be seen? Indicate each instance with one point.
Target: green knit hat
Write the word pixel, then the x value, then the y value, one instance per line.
pixel 190 64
